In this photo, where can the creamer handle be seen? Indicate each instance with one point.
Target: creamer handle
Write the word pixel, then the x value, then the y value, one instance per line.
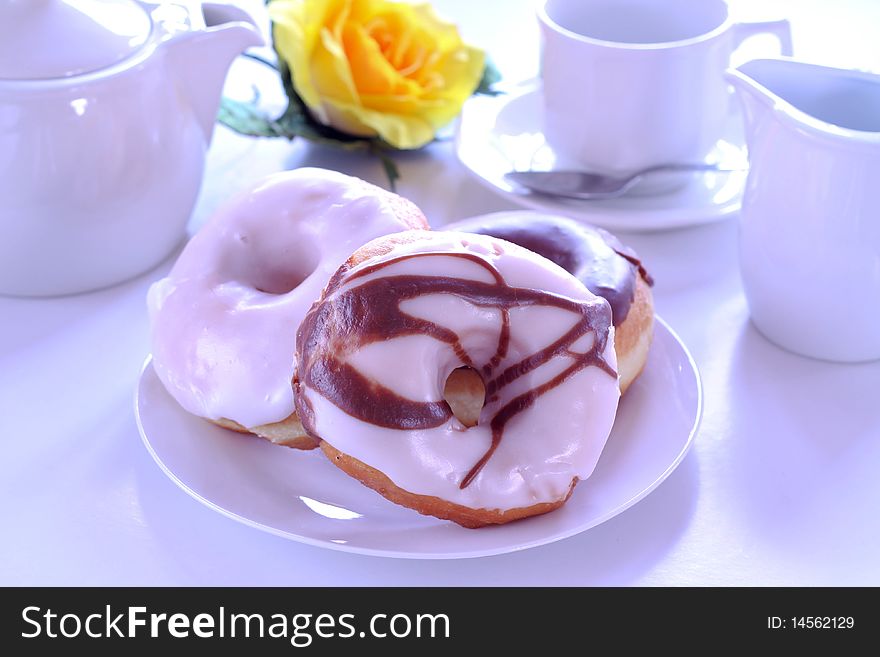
pixel 781 29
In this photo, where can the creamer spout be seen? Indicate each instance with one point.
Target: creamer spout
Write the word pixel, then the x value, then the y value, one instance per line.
pixel 756 100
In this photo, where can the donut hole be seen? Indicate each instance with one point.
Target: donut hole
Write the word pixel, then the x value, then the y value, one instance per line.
pixel 272 266
pixel 465 393
pixel 282 280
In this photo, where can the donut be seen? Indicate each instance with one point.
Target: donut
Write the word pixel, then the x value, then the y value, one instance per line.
pixel 596 258
pixel 224 321
pixel 407 310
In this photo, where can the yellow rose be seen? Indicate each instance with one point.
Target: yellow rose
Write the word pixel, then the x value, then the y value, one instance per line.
pixel 375 67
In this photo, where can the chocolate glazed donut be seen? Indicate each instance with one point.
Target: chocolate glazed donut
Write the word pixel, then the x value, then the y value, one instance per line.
pixel 596 258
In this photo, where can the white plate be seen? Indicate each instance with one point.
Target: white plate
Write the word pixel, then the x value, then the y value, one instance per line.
pixel 503 133
pixel 301 496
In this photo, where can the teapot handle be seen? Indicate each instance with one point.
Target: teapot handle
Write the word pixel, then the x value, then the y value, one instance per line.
pixel 781 29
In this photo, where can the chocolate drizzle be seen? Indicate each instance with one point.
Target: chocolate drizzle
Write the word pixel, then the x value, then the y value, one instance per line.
pixel 630 256
pixel 351 316
pixel 595 257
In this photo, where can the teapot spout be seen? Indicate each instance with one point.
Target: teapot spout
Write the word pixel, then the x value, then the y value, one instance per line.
pixel 201 59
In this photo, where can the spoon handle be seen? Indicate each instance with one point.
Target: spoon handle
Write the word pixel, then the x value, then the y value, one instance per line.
pixel 701 166
pixel 584 185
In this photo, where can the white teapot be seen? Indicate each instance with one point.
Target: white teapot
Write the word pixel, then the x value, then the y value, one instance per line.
pixel 107 108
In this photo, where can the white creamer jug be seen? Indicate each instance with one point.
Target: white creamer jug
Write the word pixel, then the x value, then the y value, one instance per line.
pixel 810 222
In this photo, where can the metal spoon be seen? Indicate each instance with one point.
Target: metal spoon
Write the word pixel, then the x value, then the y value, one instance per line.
pixel 585 185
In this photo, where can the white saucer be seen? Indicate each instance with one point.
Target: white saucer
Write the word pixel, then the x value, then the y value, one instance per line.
pixel 301 496
pixel 503 133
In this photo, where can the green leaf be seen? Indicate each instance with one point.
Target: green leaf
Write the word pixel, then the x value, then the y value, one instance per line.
pixel 491 76
pixel 297 122
pixel 246 119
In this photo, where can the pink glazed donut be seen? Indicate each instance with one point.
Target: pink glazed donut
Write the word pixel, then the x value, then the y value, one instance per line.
pixel 404 312
pixel 224 321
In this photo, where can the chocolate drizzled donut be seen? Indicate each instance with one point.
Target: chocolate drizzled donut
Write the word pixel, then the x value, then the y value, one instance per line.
pixel 353 314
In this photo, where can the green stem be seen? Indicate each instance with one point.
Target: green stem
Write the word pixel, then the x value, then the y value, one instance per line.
pixel 262 60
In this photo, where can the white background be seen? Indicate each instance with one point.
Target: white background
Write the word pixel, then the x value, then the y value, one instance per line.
pixel 782 486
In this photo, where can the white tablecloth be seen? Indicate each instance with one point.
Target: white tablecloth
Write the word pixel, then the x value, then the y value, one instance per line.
pixel 781 487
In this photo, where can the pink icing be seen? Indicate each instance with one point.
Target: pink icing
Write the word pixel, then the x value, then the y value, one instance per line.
pixel 224 320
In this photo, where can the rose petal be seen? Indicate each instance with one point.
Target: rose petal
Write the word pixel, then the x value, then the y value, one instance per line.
pixel 402 131
pixel 331 71
pixel 371 72
pixel 461 71
pixel 296 27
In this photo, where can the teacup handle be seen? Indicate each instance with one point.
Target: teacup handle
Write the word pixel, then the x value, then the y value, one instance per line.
pixel 781 29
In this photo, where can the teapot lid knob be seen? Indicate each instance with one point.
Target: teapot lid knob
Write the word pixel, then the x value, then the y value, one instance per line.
pixel 48 39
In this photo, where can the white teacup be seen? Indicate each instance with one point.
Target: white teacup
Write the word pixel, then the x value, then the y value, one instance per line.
pixel 629 84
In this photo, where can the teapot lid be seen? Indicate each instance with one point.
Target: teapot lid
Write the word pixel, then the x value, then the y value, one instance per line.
pixel 46 39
